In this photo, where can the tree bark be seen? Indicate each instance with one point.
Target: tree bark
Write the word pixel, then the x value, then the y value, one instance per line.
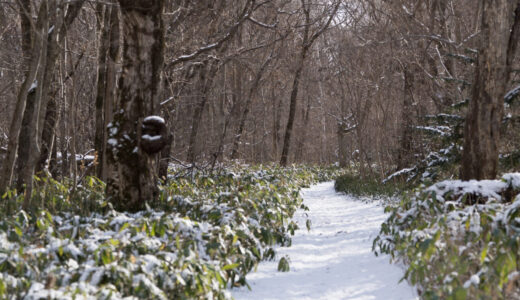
pixel 207 75
pixel 405 154
pixel 292 108
pixel 132 178
pixel 30 77
pixel 48 134
pixel 482 128
pixel 111 84
pixel 32 110
pixel 103 16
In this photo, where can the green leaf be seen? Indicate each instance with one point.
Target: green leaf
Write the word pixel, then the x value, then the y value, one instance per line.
pixel 125 226
pixel 18 231
pixel 283 265
pixel 230 266
pixel 483 254
pixel 114 242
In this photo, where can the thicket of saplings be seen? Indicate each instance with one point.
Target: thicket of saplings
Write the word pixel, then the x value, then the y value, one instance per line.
pixel 203 235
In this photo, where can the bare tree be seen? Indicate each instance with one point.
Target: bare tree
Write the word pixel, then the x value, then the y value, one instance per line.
pixel 108 56
pixel 29 86
pixel 309 38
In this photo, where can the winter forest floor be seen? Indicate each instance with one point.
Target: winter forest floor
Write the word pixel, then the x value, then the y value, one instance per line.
pixel 334 260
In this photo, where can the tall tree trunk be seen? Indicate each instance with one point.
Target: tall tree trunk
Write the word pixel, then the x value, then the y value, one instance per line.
pixel 40 38
pixel 29 140
pixel 406 144
pixel 132 178
pixel 48 134
pixel 247 106
pixel 108 55
pixel 32 110
pixel 64 139
pixel 72 133
pixel 48 111
pixel 302 136
pixel 103 13
pixel 111 84
pixel 292 108
pixel 482 128
pixel 277 107
pixel 343 128
pixel 308 40
pixel 207 75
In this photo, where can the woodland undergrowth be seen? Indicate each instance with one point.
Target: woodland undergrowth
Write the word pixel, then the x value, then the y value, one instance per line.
pixel 458 239
pixel 203 235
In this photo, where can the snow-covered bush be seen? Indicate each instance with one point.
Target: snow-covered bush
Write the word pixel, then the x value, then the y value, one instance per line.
pixel 459 239
pixel 203 236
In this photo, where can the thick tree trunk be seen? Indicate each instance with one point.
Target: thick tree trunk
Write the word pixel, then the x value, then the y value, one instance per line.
pixel 482 129
pixel 29 149
pixel 25 22
pixel 132 177
pixel 24 141
pixel 32 138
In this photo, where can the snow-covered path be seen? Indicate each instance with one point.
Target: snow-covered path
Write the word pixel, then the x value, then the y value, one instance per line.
pixel 334 260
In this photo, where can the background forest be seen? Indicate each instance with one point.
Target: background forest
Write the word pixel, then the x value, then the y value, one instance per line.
pixel 383 85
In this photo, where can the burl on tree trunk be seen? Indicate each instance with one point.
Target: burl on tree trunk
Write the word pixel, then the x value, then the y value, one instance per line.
pixel 136 135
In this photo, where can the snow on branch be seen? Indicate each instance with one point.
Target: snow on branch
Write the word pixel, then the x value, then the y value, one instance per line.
pixel 512 94
pixel 399 173
pixel 446 117
pixel 440 130
pixel 268 26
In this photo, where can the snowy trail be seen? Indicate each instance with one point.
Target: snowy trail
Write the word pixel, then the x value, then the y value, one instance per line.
pixel 334 260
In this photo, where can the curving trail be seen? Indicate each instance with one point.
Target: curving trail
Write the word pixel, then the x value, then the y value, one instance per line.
pixel 334 260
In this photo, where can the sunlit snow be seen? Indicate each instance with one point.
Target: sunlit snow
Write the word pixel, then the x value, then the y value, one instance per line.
pixel 335 259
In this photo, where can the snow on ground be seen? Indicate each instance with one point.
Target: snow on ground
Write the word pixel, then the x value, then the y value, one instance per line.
pixel 334 260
